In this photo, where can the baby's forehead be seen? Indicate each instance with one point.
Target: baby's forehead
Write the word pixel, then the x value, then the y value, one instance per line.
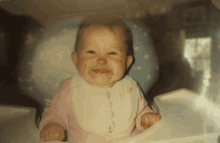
pixel 93 30
pixel 117 30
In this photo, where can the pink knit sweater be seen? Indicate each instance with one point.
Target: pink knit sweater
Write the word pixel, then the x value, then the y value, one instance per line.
pixel 91 114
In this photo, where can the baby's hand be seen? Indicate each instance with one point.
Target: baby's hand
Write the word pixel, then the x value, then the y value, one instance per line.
pixel 148 119
pixel 52 132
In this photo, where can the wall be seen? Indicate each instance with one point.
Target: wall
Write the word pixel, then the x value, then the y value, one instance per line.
pixel 165 26
pixel 169 36
pixel 162 32
pixel 2 48
pixel 214 32
pixel 15 30
pixel 175 72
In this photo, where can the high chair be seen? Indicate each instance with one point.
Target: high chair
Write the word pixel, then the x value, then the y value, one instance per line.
pixel 47 61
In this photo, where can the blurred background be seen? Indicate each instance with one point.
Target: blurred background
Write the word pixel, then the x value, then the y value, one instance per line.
pixel 184 34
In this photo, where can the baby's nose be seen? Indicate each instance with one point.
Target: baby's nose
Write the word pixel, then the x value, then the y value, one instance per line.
pixel 101 61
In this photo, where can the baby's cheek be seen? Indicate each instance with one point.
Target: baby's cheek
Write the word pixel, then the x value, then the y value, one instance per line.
pixel 84 66
pixel 118 71
pixel 120 64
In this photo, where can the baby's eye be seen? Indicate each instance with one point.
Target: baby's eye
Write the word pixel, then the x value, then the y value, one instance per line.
pixel 112 53
pixel 91 52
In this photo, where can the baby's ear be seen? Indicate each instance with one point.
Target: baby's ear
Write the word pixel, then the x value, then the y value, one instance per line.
pixel 129 61
pixel 74 58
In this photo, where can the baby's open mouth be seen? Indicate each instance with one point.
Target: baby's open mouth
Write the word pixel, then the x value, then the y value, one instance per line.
pixel 101 70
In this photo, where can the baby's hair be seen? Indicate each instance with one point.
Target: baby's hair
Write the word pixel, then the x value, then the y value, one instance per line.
pixel 110 23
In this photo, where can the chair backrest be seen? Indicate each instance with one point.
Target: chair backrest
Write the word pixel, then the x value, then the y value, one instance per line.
pixel 48 62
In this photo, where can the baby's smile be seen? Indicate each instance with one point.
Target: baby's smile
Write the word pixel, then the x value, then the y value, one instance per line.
pixel 101 70
pixel 101 75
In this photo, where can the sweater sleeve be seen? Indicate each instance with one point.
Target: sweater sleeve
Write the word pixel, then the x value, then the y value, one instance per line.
pixel 142 109
pixel 57 110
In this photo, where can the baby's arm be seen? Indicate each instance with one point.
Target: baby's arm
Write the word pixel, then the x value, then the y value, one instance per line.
pixel 55 115
pixel 146 117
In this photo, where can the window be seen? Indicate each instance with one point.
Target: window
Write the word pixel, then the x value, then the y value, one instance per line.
pixel 198 53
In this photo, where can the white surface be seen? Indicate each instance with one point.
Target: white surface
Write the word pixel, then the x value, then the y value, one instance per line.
pixel 11 112
pixel 183 120
pixel 18 125
pixel 205 138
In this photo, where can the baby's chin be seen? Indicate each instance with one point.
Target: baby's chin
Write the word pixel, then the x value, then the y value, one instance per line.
pixel 101 81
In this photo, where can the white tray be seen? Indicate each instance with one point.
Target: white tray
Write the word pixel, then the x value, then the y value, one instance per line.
pixel 186 117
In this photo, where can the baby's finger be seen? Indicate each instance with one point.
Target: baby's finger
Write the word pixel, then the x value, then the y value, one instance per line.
pixel 158 117
pixel 62 135
pixel 50 136
pixel 147 119
pixel 42 136
pixel 57 136
pixel 154 116
pixel 151 118
pixel 45 136
pixel 54 135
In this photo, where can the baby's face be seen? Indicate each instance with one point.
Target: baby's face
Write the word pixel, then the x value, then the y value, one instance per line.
pixel 101 59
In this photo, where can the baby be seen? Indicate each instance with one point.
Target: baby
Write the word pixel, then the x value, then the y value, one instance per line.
pixel 101 103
